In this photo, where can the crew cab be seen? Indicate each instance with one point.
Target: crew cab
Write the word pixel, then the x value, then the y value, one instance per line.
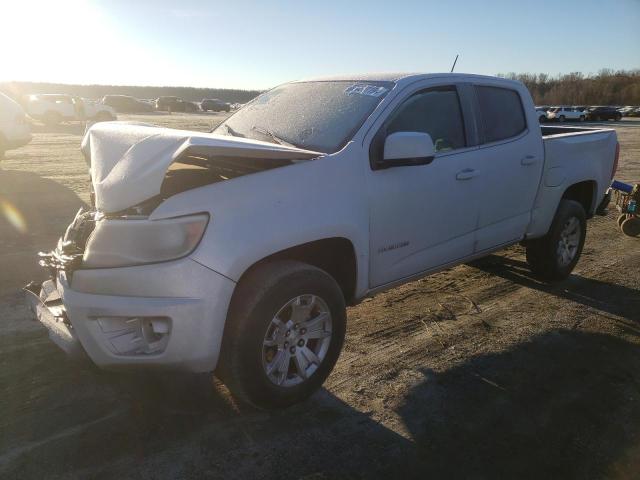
pixel 53 109
pixel 15 131
pixel 236 251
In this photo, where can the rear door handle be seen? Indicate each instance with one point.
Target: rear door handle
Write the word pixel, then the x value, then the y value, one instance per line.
pixel 466 174
pixel 528 160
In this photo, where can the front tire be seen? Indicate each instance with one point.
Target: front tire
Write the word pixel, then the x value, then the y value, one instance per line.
pixel 284 333
pixel 554 256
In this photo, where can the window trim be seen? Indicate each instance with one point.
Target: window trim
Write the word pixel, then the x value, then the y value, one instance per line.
pixel 482 141
pixel 376 146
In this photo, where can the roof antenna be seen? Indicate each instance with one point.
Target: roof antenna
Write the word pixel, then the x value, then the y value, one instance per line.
pixel 454 63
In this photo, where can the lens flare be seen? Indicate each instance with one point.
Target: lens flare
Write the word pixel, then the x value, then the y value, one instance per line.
pixel 13 216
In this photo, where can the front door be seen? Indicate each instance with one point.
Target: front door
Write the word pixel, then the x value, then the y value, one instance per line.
pixel 424 216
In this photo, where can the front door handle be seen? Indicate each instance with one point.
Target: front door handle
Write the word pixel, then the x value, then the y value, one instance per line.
pixel 528 160
pixel 466 174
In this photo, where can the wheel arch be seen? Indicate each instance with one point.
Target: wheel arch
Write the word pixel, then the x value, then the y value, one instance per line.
pixel 584 193
pixel 334 255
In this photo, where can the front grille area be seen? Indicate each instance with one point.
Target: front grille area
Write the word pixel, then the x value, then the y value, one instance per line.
pixel 67 255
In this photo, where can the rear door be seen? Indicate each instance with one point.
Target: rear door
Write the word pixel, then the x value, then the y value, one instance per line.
pixel 511 158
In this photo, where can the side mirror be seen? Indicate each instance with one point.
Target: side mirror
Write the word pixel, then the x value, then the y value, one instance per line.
pixel 407 148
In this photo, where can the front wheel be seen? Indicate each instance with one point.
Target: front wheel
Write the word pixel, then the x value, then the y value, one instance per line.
pixel 554 256
pixel 582 118
pixel 284 334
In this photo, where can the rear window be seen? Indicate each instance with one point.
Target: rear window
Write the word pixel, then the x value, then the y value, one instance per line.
pixel 501 112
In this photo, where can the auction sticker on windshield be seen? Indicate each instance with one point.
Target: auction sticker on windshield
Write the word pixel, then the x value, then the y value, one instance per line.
pixel 365 89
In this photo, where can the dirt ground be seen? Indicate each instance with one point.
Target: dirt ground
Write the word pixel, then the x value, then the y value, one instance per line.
pixel 479 372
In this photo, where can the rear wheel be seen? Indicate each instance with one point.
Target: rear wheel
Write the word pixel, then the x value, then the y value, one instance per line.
pixel 284 334
pixel 582 118
pixel 554 256
pixel 618 117
pixel 561 118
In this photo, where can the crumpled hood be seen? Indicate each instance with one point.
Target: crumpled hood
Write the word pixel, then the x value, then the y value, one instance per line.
pixel 128 161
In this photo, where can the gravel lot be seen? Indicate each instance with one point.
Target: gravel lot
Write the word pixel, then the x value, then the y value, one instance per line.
pixel 476 372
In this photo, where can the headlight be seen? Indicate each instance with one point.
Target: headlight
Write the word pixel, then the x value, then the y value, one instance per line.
pixel 119 243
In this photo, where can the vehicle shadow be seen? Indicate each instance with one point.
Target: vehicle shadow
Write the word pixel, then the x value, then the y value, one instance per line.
pixel 75 422
pixel 604 296
pixel 34 212
pixel 562 405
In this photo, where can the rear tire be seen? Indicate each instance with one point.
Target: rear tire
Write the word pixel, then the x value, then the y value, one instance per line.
pixel 561 118
pixel 259 361
pixel 554 256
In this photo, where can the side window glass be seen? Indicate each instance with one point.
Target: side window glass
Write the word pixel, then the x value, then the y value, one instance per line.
pixel 502 113
pixel 436 112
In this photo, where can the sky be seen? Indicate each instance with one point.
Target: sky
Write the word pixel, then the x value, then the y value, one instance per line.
pixel 253 44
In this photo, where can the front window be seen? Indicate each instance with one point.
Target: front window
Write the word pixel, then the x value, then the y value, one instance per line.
pixel 321 116
pixel 436 112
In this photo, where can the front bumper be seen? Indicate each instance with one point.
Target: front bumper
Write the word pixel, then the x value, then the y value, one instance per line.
pixel 168 315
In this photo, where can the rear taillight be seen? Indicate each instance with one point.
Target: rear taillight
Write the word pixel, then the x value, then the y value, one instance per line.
pixel 615 160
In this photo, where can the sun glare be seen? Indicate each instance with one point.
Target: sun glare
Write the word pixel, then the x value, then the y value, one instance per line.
pixel 71 41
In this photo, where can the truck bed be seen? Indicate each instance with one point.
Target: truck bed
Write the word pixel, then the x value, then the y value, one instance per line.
pixel 581 156
pixel 554 131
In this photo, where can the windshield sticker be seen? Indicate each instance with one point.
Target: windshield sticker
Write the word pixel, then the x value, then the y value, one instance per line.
pixel 364 89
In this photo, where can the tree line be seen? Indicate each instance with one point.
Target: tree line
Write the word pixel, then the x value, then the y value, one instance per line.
pixel 607 87
pixel 19 89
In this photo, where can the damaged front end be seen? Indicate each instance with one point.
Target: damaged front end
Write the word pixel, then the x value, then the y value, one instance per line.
pixel 44 299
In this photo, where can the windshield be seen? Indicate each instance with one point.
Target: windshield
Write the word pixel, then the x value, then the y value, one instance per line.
pixel 320 116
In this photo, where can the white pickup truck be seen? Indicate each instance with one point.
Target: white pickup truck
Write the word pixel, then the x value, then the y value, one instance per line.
pixel 237 251
pixel 52 109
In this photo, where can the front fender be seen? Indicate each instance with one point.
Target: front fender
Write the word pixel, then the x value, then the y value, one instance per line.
pixel 257 215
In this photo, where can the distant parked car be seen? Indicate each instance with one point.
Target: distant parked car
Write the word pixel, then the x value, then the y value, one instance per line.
pixel 542 114
pixel 603 113
pixel 53 109
pixel 175 104
pixel 626 111
pixel 214 105
pixel 126 104
pixel 562 114
pixel 14 128
pixel 634 113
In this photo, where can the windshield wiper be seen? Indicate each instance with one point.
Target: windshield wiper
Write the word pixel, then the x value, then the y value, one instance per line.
pixel 273 136
pixel 231 131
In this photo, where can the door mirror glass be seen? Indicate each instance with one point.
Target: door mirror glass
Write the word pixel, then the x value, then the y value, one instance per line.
pixel 408 148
